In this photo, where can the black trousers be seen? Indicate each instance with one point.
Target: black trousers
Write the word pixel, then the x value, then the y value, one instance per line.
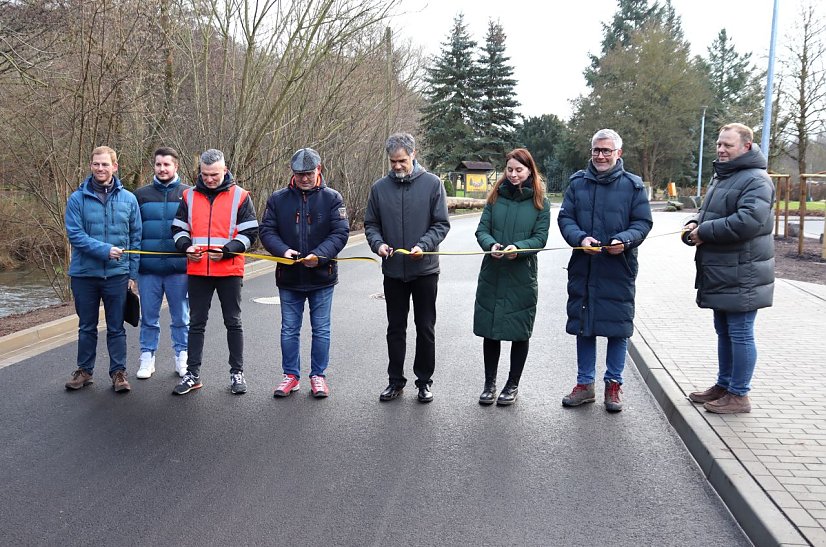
pixel 201 289
pixel 519 354
pixel 397 295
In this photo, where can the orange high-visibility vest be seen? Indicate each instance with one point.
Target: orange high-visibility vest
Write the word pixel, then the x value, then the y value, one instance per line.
pixel 213 225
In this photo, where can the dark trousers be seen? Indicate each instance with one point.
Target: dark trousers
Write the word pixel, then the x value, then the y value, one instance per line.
pixel 519 354
pixel 397 295
pixel 201 289
pixel 88 293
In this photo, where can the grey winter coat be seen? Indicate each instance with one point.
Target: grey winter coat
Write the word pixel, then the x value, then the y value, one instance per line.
pixel 735 263
pixel 404 213
pixel 507 290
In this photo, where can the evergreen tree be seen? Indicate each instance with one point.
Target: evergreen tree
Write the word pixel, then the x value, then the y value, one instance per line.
pixel 737 93
pixel 452 101
pixel 497 119
pixel 630 17
pixel 651 92
pixel 547 138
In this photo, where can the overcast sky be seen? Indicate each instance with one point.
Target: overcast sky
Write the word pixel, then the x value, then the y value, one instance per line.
pixel 549 42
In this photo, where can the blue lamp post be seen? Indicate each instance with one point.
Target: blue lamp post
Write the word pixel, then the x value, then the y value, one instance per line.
pixel 767 105
pixel 700 162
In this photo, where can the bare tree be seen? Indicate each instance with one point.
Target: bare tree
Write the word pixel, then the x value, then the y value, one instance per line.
pixel 257 80
pixel 804 97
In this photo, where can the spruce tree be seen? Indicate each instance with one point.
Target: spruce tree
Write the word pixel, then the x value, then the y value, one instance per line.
pixel 737 93
pixel 452 101
pixel 497 120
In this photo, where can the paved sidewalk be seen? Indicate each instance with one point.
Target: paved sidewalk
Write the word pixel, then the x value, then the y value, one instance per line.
pixel 769 466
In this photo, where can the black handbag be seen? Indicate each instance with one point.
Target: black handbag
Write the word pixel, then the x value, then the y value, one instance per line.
pixel 132 308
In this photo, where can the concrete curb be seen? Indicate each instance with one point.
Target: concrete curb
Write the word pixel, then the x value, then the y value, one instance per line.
pixel 27 343
pixel 763 522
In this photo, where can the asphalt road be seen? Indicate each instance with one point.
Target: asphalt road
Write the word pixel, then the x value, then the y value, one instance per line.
pixel 209 468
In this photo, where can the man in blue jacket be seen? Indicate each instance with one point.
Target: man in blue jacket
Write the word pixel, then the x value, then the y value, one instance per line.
pixel 162 274
pixel 605 215
pixel 305 220
pixel 102 219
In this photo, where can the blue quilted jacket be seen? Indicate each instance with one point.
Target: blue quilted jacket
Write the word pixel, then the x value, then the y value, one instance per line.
pixel 93 228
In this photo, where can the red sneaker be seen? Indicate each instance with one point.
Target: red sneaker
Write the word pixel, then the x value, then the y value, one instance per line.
pixel 287 386
pixel 318 385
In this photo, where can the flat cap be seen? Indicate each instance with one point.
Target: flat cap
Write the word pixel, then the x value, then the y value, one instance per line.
pixel 305 160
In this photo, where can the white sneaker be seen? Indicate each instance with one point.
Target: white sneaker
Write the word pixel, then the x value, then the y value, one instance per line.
pixel 180 363
pixel 147 365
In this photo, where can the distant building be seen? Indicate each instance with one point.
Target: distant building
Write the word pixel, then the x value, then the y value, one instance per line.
pixel 472 178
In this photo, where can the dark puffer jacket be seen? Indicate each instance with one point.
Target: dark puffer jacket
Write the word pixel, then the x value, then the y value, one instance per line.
pixel 601 287
pixel 507 291
pixel 404 213
pixel 310 222
pixel 159 203
pixel 735 263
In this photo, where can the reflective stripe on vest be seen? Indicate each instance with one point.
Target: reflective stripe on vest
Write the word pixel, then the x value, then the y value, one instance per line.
pixel 212 226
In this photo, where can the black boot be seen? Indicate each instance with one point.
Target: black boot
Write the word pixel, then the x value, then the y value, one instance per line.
pixel 508 395
pixel 488 395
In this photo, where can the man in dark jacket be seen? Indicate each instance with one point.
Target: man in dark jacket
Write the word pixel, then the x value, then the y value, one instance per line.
pixel 214 224
pixel 735 263
pixel 102 220
pixel 605 216
pixel 407 210
pixel 305 220
pixel 162 274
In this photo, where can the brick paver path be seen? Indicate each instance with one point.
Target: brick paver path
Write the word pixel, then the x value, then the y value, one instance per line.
pixel 782 442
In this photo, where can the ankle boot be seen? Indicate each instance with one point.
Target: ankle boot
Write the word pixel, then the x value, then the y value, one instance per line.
pixel 488 395
pixel 508 395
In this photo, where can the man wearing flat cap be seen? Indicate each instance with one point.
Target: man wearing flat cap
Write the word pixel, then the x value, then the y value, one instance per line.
pixel 306 221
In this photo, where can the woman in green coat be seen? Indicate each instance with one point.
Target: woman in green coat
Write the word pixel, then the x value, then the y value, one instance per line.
pixel 515 217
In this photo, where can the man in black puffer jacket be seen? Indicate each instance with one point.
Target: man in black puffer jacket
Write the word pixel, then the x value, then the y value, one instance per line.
pixel 307 220
pixel 735 263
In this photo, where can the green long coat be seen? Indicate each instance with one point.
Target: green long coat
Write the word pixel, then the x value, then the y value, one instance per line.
pixel 507 290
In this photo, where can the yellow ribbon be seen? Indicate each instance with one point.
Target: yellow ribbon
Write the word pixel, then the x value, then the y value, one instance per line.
pixel 502 251
pixel 291 261
pixel 279 259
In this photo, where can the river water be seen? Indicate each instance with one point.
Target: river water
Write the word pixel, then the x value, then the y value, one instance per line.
pixel 22 291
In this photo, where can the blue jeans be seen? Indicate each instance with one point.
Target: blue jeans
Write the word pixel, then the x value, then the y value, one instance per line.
pixel 292 314
pixel 152 288
pixel 88 292
pixel 736 350
pixel 586 359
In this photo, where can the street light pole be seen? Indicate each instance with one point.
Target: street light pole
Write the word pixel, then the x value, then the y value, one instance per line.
pixel 700 162
pixel 767 104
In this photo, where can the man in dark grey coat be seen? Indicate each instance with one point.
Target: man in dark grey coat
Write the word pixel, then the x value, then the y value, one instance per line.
pixel 407 210
pixel 735 263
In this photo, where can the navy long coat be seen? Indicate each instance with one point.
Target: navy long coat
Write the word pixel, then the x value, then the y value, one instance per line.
pixel 601 287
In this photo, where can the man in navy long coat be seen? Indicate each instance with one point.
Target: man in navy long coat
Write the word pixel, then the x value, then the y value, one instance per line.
pixel 605 216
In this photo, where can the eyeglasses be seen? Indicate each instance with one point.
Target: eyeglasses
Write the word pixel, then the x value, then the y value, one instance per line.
pixel 606 152
pixel 304 175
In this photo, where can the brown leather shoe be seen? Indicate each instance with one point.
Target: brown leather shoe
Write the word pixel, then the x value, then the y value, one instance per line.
pixel 80 378
pixel 729 404
pixel 119 382
pixel 711 394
